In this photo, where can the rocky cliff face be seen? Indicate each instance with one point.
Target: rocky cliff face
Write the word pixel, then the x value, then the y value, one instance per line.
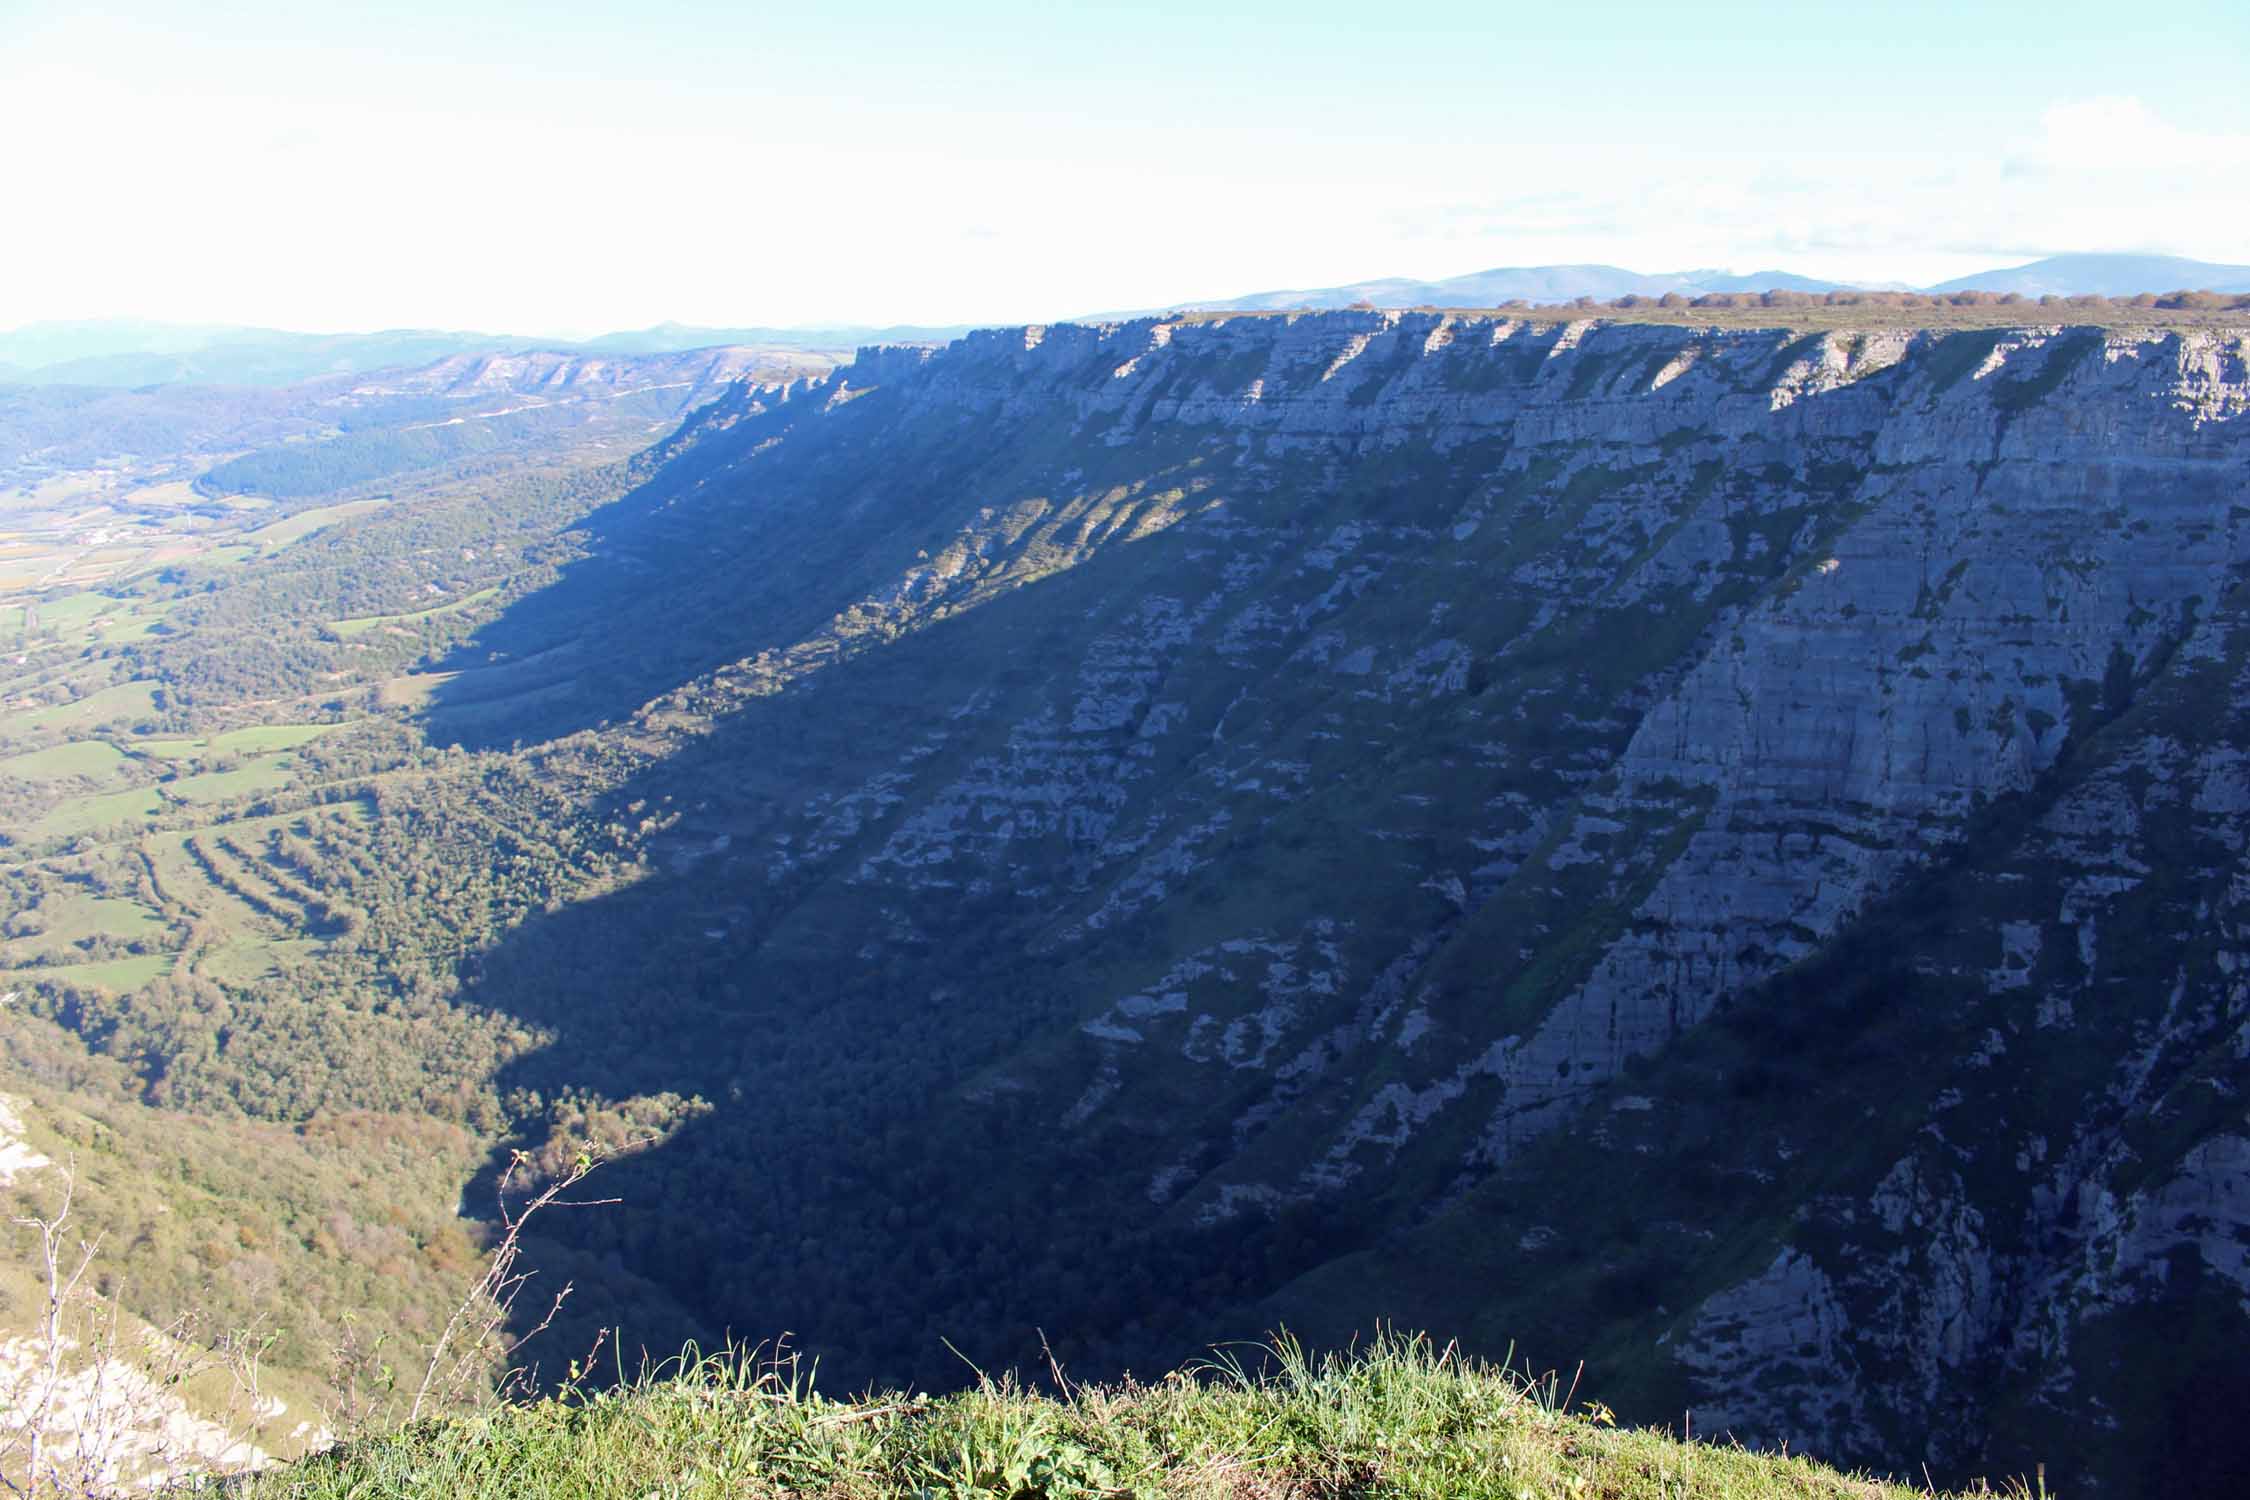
pixel 1723 849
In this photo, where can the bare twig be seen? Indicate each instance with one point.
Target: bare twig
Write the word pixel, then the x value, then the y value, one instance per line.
pixel 471 1334
pixel 34 1410
pixel 94 1404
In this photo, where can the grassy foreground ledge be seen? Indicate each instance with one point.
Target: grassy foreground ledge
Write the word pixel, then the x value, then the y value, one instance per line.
pixel 1401 1417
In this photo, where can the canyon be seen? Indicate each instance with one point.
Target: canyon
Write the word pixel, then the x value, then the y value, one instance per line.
pixel 1714 851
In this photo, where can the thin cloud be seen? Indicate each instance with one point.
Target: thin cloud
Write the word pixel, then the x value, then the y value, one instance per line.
pixel 2121 133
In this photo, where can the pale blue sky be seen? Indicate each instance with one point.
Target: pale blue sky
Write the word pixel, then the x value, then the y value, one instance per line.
pixel 568 167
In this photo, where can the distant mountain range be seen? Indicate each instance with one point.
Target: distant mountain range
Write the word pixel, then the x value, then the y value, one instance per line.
pixel 290 442
pixel 2105 276
pixel 1537 284
pixel 2057 275
pixel 126 352
pixel 677 338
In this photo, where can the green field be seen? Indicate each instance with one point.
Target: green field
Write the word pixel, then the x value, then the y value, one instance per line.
pixel 178 493
pixel 74 914
pixel 258 739
pixel 186 881
pixel 71 617
pixel 136 624
pixel 88 814
pixel 263 775
pixel 118 974
pixel 96 759
pixel 125 700
pixel 140 804
pixel 252 959
pixel 73 610
pixel 305 522
pixel 365 623
pixel 188 889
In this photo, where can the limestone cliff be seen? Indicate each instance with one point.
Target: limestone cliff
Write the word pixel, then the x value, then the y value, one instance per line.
pixel 1458 767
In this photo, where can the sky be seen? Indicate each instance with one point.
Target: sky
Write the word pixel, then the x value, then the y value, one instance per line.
pixel 564 168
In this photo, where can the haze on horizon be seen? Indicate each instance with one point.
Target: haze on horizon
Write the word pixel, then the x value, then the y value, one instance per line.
pixel 567 168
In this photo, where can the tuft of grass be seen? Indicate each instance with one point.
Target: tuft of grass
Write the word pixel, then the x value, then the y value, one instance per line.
pixel 1401 1416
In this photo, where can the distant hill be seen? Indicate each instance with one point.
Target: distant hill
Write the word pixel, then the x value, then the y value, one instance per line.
pixel 675 338
pixel 2104 276
pixel 2059 275
pixel 295 441
pixel 131 353
pixel 36 345
pixel 1536 284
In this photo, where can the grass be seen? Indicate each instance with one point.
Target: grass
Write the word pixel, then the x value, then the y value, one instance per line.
pixel 73 914
pixel 95 759
pixel 1400 1417
pixel 180 492
pixel 118 974
pixel 86 814
pixel 140 804
pixel 64 489
pixel 247 960
pixel 413 690
pixel 73 611
pixel 186 888
pixel 139 623
pixel 263 775
pixel 365 623
pixel 21 572
pixel 125 700
pixel 256 740
pixel 305 522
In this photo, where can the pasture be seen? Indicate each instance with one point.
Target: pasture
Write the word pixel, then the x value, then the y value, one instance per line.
pixel 258 739
pixel 305 522
pixel 95 760
pixel 121 701
pixel 360 626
